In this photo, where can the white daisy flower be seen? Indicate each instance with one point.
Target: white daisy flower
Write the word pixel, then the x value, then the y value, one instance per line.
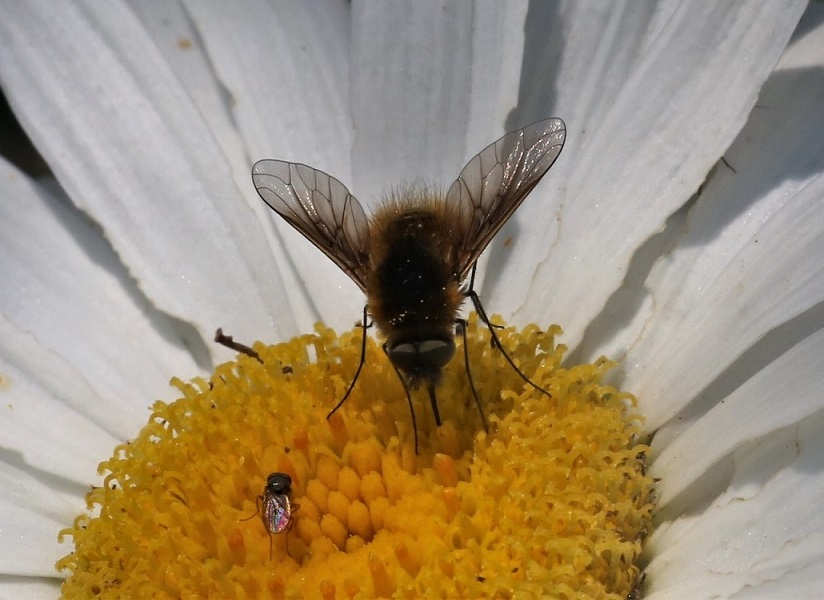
pixel 702 277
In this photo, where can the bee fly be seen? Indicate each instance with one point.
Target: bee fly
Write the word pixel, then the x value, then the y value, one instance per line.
pixel 411 257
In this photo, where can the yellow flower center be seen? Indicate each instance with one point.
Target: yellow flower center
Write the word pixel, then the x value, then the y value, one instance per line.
pixel 553 501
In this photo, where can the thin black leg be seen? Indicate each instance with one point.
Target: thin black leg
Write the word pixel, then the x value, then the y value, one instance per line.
pixel 497 342
pixel 360 365
pixel 462 326
pixel 409 400
pixel 430 387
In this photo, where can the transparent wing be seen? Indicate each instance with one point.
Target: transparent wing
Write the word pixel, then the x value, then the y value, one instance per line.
pixel 321 208
pixel 494 183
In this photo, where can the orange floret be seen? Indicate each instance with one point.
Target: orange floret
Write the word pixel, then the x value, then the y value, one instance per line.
pixel 553 501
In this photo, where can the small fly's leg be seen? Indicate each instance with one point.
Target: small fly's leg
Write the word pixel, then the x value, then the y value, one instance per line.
pixel 258 503
pixel 289 527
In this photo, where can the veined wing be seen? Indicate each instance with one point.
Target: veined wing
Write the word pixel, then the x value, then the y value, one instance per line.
pixel 321 208
pixel 495 182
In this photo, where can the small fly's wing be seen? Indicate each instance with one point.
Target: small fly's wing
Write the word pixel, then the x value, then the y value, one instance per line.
pixel 277 512
pixel 494 183
pixel 321 208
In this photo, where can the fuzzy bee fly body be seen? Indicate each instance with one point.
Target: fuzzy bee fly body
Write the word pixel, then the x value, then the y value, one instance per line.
pixel 413 255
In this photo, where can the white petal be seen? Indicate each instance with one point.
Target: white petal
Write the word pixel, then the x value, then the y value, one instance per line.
pixel 63 283
pixel 782 395
pixel 31 515
pixel 765 528
pixel 752 257
pixel 52 420
pixel 126 142
pixel 28 588
pixel 173 31
pixel 640 88
pixel 231 38
pixel 286 67
pixel 500 63
pixel 422 75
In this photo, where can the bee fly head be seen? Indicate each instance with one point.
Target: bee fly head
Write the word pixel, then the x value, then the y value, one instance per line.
pixel 421 359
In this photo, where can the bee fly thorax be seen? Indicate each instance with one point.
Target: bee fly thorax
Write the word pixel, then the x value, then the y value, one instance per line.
pixel 412 289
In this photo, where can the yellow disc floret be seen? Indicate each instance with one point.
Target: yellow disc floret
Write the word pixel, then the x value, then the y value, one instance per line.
pixel 552 501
